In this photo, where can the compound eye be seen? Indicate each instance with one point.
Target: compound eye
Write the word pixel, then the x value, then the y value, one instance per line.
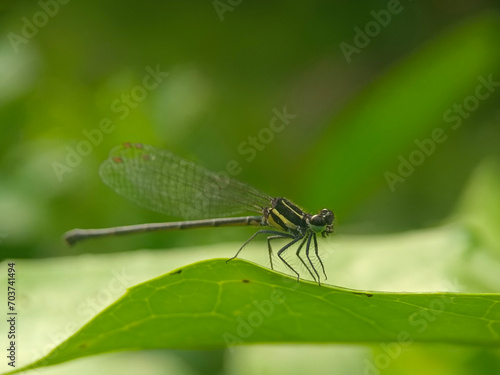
pixel 318 221
pixel 327 214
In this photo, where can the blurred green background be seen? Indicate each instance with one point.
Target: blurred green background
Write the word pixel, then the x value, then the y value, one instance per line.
pixel 364 83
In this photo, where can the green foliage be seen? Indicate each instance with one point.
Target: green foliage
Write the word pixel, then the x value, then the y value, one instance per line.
pixel 406 105
pixel 354 122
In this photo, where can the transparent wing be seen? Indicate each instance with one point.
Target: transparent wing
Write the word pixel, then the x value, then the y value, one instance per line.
pixel 164 182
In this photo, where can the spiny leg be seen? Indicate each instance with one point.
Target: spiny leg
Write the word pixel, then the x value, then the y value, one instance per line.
pixel 317 256
pixel 269 248
pixel 302 260
pixel 286 247
pixel 262 231
pixel 309 238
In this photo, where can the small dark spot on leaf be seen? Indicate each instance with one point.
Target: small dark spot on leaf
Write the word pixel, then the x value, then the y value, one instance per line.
pixel 83 346
pixel 245 281
pixel 363 294
pixel 176 272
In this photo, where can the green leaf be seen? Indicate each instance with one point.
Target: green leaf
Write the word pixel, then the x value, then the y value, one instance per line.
pixel 479 208
pixel 213 304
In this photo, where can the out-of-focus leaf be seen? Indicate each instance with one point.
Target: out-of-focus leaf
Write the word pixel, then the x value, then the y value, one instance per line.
pixel 406 104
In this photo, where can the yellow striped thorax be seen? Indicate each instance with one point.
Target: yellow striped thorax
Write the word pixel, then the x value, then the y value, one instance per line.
pixel 289 217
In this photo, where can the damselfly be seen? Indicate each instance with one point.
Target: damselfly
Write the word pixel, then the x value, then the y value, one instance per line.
pixel 161 181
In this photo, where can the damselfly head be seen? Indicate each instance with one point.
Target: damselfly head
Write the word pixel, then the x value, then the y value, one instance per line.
pixel 322 222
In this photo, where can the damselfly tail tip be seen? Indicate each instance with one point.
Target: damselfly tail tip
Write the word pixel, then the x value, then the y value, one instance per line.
pixel 71 237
